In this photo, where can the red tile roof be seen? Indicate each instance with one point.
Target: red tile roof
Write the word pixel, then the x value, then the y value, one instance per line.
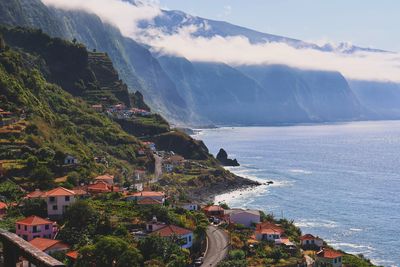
pixel 36 194
pixel 102 187
pixel 79 191
pixel 34 220
pixel 170 230
pixel 60 191
pixel 328 253
pixel 269 228
pixel 307 237
pixel 44 244
pixel 72 254
pixel 148 194
pixel 213 208
pixel 149 201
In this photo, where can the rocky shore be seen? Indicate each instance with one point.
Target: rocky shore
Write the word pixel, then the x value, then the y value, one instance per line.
pixel 207 194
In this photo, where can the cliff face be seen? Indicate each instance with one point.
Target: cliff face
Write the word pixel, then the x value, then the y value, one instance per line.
pixel 135 64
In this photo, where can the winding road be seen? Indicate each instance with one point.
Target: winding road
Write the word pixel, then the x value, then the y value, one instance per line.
pixel 218 246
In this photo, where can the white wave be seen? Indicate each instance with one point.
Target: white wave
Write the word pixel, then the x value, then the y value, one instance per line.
pixel 356 229
pixel 300 171
pixel 350 245
pixel 305 223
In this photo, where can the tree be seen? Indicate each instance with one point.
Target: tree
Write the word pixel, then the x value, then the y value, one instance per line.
pixel 36 206
pixel 109 251
pixel 43 176
pixel 32 162
pixel 10 192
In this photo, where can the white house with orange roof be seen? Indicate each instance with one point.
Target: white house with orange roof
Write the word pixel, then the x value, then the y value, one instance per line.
pixel 243 217
pixel 149 195
pixel 34 226
pixel 58 201
pixel 268 231
pixel 328 257
pixel 107 178
pixel 184 236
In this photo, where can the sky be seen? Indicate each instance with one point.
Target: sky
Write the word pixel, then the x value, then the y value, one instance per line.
pixel 368 23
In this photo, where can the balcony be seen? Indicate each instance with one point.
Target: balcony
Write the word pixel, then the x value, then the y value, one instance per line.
pixel 15 247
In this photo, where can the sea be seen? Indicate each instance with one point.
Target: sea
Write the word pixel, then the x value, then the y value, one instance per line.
pixel 340 182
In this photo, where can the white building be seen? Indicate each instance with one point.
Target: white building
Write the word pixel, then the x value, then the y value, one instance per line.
pixel 189 206
pixel 328 257
pixel 58 201
pixel 244 217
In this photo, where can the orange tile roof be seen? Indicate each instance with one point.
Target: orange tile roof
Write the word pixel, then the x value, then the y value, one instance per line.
pixel 148 194
pixel 328 253
pixel 34 220
pixel 72 254
pixel 149 201
pixel 79 191
pixel 44 243
pixel 170 230
pixel 60 191
pixel 213 208
pixel 309 237
pixel 105 177
pixel 3 205
pixel 36 194
pixel 268 228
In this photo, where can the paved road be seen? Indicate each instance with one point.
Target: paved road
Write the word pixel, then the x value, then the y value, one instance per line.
pixel 218 246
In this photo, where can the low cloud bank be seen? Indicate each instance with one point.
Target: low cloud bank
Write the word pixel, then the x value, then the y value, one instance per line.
pixel 234 50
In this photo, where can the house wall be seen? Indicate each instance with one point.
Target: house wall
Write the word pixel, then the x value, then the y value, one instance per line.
pixel 322 262
pixel 61 204
pixel 244 218
pixel 41 231
pixel 268 237
pixel 189 240
pixel 190 206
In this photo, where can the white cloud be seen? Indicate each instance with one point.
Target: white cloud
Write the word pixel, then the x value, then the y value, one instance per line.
pixel 236 50
pixel 122 14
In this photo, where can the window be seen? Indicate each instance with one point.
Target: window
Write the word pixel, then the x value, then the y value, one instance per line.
pixel 190 238
pixel 55 207
pixel 26 228
pixel 52 199
pixel 66 198
pixel 19 227
pixel 340 259
pixel 47 227
pixel 335 260
pixel 35 229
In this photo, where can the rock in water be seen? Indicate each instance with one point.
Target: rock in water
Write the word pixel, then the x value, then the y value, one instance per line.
pixel 222 157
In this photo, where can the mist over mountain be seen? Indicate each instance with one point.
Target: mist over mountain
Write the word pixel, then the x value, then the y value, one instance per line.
pixel 202 92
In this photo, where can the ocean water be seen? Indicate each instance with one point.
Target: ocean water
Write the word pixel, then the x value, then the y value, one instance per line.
pixel 338 181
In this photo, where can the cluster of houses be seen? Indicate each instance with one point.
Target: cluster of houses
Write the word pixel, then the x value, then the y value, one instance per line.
pixel 274 233
pixel 120 111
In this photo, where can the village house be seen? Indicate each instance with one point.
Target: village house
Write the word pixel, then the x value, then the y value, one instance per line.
pixel 309 241
pixel 185 236
pixel 107 178
pixel 267 231
pixel 214 211
pixel 70 160
pixel 101 187
pixel 140 174
pixel 34 226
pixel 150 145
pixel 243 217
pixel 328 257
pixel 98 107
pixel 36 194
pixel 58 201
pixel 189 206
pixel 49 245
pixel 147 197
